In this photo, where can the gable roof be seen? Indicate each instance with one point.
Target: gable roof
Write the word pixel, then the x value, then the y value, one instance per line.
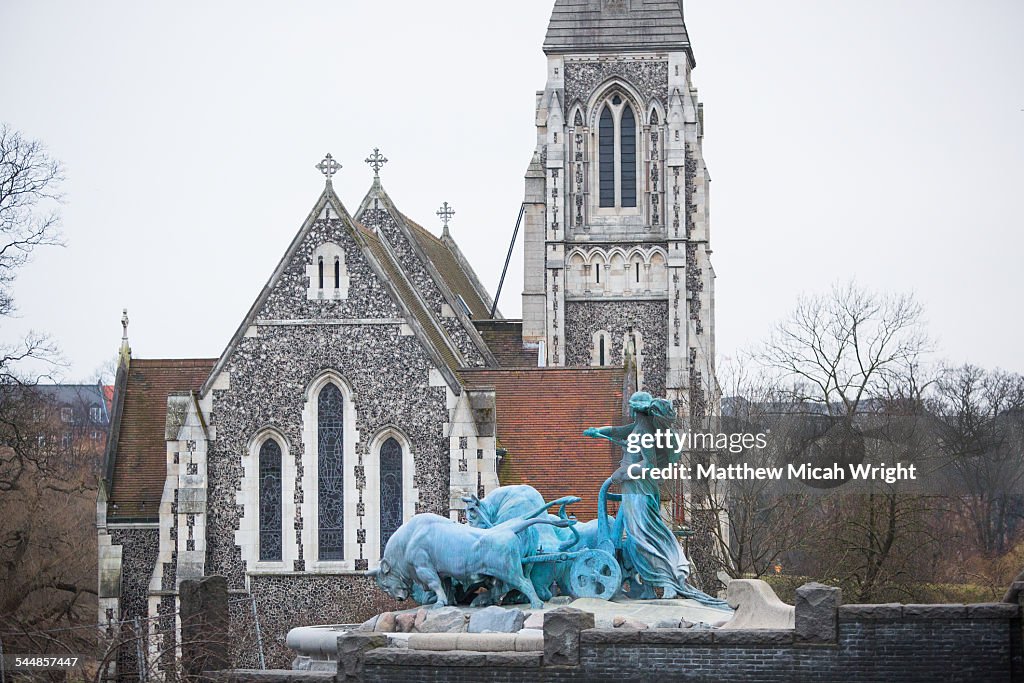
pixel 138 460
pixel 377 256
pixel 442 266
pixel 396 278
pixel 617 26
pixel 541 415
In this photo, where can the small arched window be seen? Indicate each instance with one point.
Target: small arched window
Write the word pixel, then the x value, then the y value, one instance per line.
pixel 597 269
pixel 337 272
pixel 270 501
pixel 601 357
pixel 391 502
pixel 330 474
pixel 320 267
pixel 617 143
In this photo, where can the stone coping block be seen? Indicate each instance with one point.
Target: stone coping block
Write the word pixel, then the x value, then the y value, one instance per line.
pixel 934 611
pixel 391 656
pixel 476 642
pixel 689 636
pixel 892 610
pixel 677 636
pixel 993 610
pixel 610 636
pixel 758 638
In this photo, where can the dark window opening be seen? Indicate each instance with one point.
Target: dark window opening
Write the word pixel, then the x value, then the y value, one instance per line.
pixel 331 474
pixel 637 273
pixel 601 352
pixel 390 491
pixel 628 155
pixel 337 273
pixel 270 502
pixel 597 269
pixel 320 268
pixel 606 150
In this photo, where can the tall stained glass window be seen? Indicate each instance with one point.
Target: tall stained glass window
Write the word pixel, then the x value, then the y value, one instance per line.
pixel 331 477
pixel 606 150
pixel 390 490
pixel 627 171
pixel 270 501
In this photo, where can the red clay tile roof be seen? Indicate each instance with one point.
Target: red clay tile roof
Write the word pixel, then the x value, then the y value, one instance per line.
pixel 541 415
pixel 505 340
pixel 140 465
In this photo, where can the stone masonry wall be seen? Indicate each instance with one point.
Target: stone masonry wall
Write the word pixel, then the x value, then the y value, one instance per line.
pixel 649 318
pixel 140 550
pixel 389 375
pixel 388 372
pixel 285 602
pixel 875 644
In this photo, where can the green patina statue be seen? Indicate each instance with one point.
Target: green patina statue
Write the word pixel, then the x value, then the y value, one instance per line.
pixel 649 552
pixel 513 547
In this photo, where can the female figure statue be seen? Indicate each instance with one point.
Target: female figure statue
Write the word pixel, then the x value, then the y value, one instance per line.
pixel 649 549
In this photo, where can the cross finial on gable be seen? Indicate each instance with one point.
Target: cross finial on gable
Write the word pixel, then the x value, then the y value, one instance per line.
pixel 124 325
pixel 328 167
pixel 446 212
pixel 376 162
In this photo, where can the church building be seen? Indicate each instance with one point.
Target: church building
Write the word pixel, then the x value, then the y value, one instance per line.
pixel 373 377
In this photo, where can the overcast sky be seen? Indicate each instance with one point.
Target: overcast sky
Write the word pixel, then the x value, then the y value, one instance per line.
pixel 881 139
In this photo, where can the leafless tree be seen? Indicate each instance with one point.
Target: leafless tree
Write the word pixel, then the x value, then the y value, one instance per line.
pixel 840 349
pixel 853 362
pixel 30 199
pixel 980 418
pixel 762 521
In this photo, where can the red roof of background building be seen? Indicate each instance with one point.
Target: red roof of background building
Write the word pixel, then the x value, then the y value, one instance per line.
pixel 541 415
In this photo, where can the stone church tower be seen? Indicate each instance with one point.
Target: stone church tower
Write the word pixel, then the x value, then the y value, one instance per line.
pixel 617 254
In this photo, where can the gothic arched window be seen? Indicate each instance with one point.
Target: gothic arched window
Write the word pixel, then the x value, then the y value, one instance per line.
pixel 606 148
pixel 617 154
pixel 330 471
pixel 337 272
pixel 391 502
pixel 627 133
pixel 270 501
pixel 320 274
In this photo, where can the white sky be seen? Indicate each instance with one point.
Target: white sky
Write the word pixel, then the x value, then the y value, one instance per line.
pixel 882 139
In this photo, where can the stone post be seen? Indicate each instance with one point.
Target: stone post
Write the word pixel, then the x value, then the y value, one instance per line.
pixel 352 649
pixel 817 613
pixel 562 628
pixel 205 640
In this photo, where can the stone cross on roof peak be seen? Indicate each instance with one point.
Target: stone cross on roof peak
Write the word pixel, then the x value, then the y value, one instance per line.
pixel 328 167
pixel 446 212
pixel 376 162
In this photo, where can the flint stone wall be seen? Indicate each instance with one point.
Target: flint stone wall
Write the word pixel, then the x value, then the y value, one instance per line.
pixel 389 373
pixel 649 318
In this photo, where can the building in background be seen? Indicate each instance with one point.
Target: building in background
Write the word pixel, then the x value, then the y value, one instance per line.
pixel 373 377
